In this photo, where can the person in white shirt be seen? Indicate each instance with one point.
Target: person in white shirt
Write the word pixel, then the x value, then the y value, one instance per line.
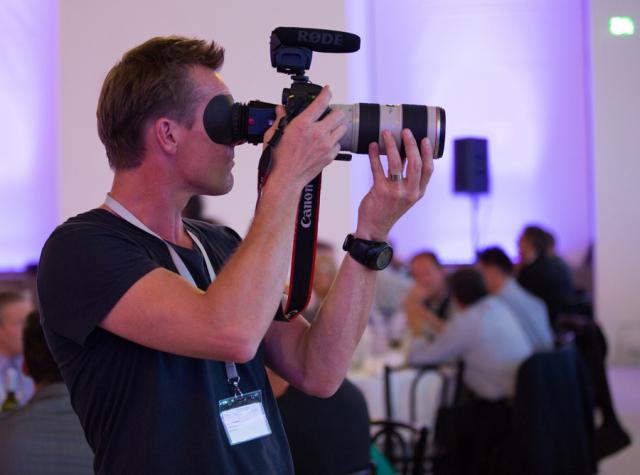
pixel 484 333
pixel 531 312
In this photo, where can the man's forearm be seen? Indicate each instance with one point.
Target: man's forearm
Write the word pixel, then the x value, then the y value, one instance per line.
pixel 251 284
pixel 338 327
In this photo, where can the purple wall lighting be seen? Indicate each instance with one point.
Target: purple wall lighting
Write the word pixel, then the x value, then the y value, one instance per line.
pixel 515 72
pixel 28 123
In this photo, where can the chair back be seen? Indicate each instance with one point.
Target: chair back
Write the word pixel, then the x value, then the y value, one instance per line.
pixel 553 430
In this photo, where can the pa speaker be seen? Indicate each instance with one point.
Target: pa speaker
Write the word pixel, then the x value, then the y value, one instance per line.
pixel 471 166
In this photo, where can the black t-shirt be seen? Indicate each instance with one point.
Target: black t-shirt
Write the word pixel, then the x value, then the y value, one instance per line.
pixel 549 278
pixel 327 436
pixel 144 411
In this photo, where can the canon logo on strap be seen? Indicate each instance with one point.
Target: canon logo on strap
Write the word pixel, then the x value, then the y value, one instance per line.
pixel 307 206
pixel 320 38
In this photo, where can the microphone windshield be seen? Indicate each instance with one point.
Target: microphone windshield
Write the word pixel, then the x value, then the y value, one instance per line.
pixel 322 41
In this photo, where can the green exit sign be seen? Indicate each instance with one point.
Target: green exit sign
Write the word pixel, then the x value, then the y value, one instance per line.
pixel 621 26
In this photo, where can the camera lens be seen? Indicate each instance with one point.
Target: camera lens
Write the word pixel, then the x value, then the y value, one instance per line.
pixel 365 123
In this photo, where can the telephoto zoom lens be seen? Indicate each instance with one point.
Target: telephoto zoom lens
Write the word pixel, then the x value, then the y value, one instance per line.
pixel 365 123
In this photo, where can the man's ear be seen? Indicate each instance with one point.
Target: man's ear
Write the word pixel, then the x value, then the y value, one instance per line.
pixel 166 133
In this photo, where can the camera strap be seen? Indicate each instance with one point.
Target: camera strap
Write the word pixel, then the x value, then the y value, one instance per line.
pixel 305 237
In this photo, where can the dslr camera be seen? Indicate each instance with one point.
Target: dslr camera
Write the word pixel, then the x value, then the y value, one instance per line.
pixel 228 122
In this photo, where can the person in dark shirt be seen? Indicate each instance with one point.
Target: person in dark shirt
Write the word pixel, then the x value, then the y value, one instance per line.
pixel 543 273
pixel 547 276
pixel 162 327
pixel 326 435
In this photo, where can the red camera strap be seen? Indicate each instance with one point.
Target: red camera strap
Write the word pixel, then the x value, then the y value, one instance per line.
pixel 305 237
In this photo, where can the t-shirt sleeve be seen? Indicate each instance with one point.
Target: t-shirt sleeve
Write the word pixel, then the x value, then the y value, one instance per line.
pixel 83 271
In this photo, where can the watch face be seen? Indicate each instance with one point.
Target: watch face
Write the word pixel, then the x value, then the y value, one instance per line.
pixel 384 258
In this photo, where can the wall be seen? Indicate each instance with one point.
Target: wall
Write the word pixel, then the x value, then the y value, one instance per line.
pixel 514 71
pixel 29 127
pixel 94 35
pixel 616 76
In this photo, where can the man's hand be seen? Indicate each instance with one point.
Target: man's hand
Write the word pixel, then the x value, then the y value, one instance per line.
pixel 388 200
pixel 307 144
pixel 419 317
pixel 413 305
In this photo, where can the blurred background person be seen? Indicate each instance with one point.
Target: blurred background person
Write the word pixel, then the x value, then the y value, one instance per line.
pixel 326 435
pixel 546 275
pixel 484 333
pixel 497 270
pixel 44 437
pixel 543 273
pixel 428 304
pixel 14 308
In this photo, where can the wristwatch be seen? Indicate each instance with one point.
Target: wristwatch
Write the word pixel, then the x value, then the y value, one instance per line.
pixel 375 255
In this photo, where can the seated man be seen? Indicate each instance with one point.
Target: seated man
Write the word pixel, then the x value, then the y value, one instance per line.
pixel 427 304
pixel 484 334
pixel 326 435
pixel 14 308
pixel 531 312
pixel 45 436
pixel 543 273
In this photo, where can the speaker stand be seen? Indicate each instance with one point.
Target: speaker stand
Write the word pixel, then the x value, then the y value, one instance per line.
pixel 475 222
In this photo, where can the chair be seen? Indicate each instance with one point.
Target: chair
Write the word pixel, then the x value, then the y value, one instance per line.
pixel 405 443
pixel 553 431
pixel 546 430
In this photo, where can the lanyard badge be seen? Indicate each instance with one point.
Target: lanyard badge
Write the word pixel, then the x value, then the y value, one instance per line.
pixel 243 417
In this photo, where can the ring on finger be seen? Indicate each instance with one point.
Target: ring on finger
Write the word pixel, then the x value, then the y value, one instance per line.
pixel 395 176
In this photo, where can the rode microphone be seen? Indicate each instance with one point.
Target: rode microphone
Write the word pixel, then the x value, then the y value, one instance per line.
pixel 322 41
pixel 292 47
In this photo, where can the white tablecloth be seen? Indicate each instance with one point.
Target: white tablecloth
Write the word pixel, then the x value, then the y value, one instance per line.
pixel 369 378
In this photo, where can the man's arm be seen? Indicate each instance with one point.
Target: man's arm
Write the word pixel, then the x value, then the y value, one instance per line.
pixel 315 358
pixel 419 317
pixel 228 321
pixel 447 346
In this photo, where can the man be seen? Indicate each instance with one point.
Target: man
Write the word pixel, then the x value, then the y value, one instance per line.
pixel 484 334
pixel 427 305
pixel 14 308
pixel 543 273
pixel 531 312
pixel 44 437
pixel 147 355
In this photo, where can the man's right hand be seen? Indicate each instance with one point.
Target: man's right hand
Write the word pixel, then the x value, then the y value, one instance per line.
pixel 307 144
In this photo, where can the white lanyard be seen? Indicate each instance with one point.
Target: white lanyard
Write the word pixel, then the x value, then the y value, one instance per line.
pixel 124 213
pixel 177 260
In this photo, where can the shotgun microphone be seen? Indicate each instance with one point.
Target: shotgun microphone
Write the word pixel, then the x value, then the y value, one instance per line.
pixel 322 41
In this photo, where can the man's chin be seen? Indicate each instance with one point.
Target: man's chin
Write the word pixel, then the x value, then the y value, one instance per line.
pixel 227 187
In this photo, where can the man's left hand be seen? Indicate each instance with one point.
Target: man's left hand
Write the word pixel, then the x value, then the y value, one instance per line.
pixel 390 197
